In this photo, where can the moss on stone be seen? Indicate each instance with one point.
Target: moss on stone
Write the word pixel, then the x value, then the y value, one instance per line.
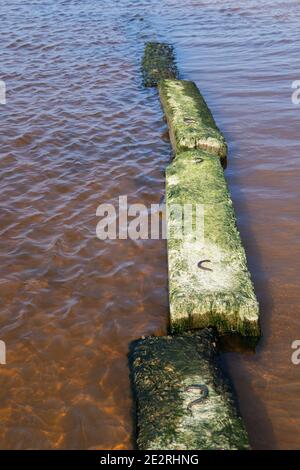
pixel 162 369
pixel 223 296
pixel 190 121
pixel 158 63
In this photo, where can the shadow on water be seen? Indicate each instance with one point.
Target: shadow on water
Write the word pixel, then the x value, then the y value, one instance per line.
pixel 236 351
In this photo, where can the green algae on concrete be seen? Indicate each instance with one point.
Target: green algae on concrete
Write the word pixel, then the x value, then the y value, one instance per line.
pixel 158 63
pixel 222 294
pixel 162 369
pixel 190 121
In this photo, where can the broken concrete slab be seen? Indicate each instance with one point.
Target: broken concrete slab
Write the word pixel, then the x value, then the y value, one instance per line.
pixel 191 124
pixel 209 282
pixel 158 63
pixel 164 369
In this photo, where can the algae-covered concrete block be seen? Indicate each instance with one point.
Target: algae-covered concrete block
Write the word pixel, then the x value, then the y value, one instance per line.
pixel 190 121
pixel 209 282
pixel 158 63
pixel 169 374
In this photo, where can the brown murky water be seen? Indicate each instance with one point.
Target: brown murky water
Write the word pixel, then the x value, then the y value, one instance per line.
pixel 79 130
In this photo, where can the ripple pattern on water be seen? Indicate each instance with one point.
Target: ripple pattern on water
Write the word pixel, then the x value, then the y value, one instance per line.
pixel 78 130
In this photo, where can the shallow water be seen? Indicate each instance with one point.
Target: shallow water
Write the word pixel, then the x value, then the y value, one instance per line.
pixel 79 130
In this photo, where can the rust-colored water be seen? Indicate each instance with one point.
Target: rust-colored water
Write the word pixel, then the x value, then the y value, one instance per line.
pixel 79 130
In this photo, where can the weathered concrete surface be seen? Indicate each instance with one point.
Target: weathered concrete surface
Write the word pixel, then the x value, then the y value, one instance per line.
pixel 190 121
pixel 221 294
pixel 158 63
pixel 162 369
